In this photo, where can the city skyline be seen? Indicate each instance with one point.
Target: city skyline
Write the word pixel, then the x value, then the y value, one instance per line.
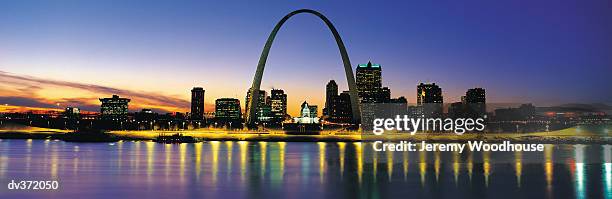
pixel 57 70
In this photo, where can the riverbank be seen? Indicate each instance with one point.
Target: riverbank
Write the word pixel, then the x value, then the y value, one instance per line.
pixel 575 135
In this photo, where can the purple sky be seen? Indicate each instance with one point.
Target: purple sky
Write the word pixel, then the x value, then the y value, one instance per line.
pixel 545 52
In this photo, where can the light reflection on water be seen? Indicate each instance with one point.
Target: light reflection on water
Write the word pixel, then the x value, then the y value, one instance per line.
pixel 579 159
pixel 302 170
pixel 607 173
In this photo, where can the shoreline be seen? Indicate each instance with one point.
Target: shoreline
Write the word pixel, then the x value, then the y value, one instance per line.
pixel 272 136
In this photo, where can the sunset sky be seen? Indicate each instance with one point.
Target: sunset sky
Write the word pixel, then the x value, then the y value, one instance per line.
pixel 70 53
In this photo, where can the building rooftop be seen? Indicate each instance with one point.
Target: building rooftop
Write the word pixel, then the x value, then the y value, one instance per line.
pixel 369 65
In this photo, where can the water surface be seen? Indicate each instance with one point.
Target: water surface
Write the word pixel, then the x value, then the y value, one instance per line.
pixel 298 170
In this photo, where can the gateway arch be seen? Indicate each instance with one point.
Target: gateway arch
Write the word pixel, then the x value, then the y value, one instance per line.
pixel 350 78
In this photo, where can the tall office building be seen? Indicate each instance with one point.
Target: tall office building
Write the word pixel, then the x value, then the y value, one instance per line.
pixel 475 95
pixel 475 101
pixel 430 100
pixel 278 105
pixel 263 111
pixel 114 108
pixel 331 93
pixel 197 103
pixel 429 93
pixel 384 95
pixel 369 82
pixel 337 106
pixel 342 106
pixel 227 110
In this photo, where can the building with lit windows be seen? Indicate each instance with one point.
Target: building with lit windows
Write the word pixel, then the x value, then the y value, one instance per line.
pixel 475 101
pixel 114 108
pixel 369 82
pixel 263 111
pixel 429 100
pixel 308 114
pixel 278 105
pixel 228 110
pixel 197 103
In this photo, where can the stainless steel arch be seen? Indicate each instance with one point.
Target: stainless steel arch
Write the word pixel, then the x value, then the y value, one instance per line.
pixel 355 108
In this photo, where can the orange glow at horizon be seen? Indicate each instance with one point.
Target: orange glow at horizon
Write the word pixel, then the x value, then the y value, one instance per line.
pixel 25 93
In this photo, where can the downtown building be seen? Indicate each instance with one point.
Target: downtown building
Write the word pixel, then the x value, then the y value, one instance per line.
pixel 263 113
pixel 337 106
pixel 372 96
pixel 369 84
pixel 308 114
pixel 278 105
pixel 114 108
pixel 429 100
pixel 475 101
pixel 472 105
pixel 331 93
pixel 197 103
pixel 376 101
pixel 227 110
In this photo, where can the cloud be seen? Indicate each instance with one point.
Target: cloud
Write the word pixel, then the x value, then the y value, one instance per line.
pixel 21 101
pixel 21 90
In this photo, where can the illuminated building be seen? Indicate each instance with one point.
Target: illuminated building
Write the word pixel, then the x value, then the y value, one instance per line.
pixel 429 100
pixel 227 110
pixel 263 111
pixel 475 101
pixel 369 82
pixel 114 108
pixel 384 95
pixel 72 112
pixel 342 108
pixel 308 114
pixel 197 103
pixel 278 105
pixel 72 116
pixel 331 93
pixel 145 115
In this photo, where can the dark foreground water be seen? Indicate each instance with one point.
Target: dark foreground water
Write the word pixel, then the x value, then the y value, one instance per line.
pixel 298 170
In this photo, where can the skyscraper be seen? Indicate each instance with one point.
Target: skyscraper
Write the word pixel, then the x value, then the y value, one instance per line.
pixel 227 110
pixel 384 95
pixel 475 95
pixel 263 109
pixel 331 92
pixel 114 108
pixel 429 93
pixel 475 101
pixel 342 106
pixel 430 100
pixel 197 103
pixel 278 105
pixel 369 82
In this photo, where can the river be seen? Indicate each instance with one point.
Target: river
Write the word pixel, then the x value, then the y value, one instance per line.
pixel 229 169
